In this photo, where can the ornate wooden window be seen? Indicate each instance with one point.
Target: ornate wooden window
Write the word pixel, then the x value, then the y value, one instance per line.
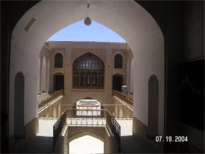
pixel 118 61
pixel 88 72
pixel 58 60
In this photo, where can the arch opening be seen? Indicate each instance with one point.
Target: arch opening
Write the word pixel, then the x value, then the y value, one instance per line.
pixel 58 82
pixel 78 32
pixel 86 144
pixel 117 82
pixel 58 60
pixel 123 23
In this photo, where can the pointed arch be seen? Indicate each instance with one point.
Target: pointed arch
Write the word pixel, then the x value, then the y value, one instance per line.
pixel 118 62
pixel 81 144
pixel 132 22
pixel 88 72
pixel 58 60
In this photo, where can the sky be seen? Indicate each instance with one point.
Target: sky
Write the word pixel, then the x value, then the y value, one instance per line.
pixel 78 31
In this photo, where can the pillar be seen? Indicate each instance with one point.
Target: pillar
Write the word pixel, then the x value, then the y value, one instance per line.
pixel 40 80
pixel 128 73
pixel 67 77
pixel 51 67
pixel 47 73
pixel 108 76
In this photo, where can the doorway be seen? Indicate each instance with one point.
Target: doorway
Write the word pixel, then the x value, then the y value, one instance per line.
pixel 86 144
pixel 58 82
pixel 117 81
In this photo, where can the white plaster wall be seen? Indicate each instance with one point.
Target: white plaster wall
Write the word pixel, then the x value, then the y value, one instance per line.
pixel 125 17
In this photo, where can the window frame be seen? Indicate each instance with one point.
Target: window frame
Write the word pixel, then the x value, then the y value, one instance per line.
pixel 88 72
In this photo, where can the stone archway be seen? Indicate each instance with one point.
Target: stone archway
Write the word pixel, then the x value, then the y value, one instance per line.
pixel 77 132
pixel 127 18
pixel 86 144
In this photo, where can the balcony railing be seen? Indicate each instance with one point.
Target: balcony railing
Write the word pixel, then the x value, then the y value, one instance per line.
pixel 128 99
pixel 51 107
pixel 50 98
pixel 71 118
pixel 91 122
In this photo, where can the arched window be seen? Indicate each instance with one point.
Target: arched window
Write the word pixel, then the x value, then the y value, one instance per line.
pixel 58 60
pixel 88 72
pixel 118 61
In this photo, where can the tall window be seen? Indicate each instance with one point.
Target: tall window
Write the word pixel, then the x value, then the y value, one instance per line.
pixel 88 72
pixel 58 82
pixel 58 60
pixel 118 61
pixel 117 81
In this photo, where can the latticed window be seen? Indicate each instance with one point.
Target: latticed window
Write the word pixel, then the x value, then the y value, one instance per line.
pixel 88 72
pixel 118 61
pixel 58 60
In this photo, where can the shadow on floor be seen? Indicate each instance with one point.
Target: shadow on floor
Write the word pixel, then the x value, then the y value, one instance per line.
pixel 39 144
pixel 138 144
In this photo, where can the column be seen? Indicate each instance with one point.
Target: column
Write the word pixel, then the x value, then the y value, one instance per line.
pixel 44 73
pixel 47 73
pixel 131 75
pixel 108 76
pixel 51 67
pixel 67 77
pixel 40 78
pixel 59 109
pixel 128 73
